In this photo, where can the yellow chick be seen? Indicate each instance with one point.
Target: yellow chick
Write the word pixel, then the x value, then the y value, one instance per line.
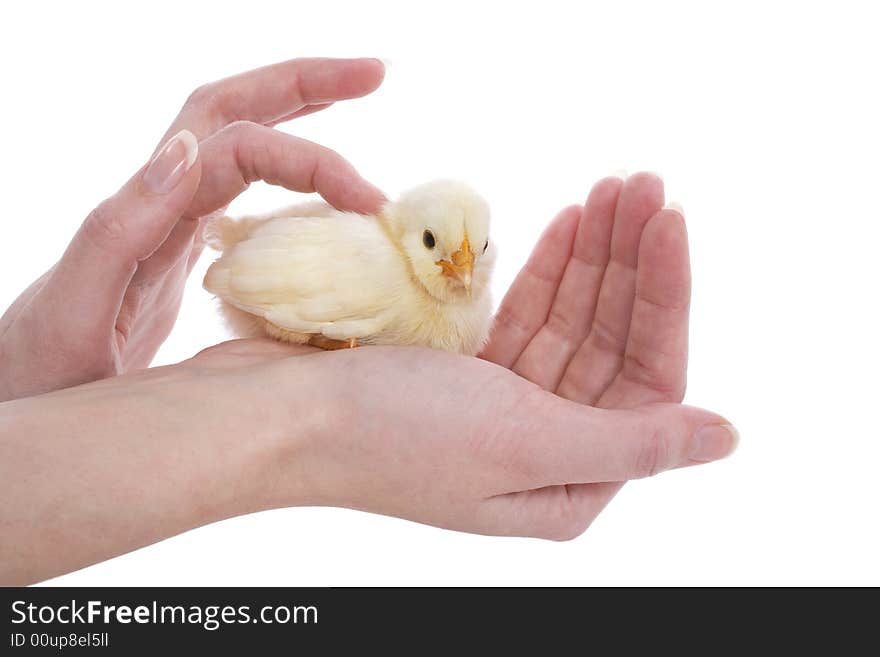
pixel 417 273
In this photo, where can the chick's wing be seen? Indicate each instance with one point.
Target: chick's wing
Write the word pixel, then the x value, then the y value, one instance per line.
pixel 308 273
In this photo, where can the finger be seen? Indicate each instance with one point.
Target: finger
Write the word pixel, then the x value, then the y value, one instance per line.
pixel 277 92
pixel 655 361
pixel 177 246
pixel 244 152
pixel 89 282
pixel 600 357
pixel 270 95
pixel 557 442
pixel 545 358
pixel 525 306
pixel 233 158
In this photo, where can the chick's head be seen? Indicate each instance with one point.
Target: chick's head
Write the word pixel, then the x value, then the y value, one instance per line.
pixel 443 228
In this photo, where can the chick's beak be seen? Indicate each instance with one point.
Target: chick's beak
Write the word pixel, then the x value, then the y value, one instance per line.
pixel 461 269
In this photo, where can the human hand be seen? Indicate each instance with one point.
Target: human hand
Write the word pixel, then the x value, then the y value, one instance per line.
pixel 247 425
pixel 111 300
pixel 599 314
pixel 464 444
pixel 447 440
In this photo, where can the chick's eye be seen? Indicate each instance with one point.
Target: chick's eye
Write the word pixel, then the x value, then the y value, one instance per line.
pixel 428 239
pixel 485 246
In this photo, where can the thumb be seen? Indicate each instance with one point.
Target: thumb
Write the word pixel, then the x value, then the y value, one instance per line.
pixel 590 445
pixel 661 437
pixel 92 276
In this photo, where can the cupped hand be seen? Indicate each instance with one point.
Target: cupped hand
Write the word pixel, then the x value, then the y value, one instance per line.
pixel 599 314
pixel 443 439
pixel 248 425
pixel 112 298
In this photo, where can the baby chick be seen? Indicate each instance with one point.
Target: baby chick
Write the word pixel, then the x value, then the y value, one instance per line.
pixel 417 273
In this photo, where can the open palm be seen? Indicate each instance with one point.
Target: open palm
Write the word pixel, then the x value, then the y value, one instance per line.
pixel 599 313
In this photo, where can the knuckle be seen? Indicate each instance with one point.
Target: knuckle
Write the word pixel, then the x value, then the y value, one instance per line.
pixel 197 101
pixel 239 129
pixel 561 323
pixel 219 101
pixel 332 154
pixel 324 155
pixel 656 372
pixel 105 229
pixel 204 97
pixel 605 339
pixel 250 150
pixel 652 455
pixel 507 317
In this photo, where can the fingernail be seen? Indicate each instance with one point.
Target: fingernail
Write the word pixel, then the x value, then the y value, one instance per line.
pixel 385 62
pixel 171 163
pixel 674 205
pixel 623 174
pixel 713 442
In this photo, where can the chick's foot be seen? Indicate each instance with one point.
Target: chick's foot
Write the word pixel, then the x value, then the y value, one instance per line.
pixel 329 344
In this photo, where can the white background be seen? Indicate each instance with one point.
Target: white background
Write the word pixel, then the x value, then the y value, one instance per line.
pixel 762 118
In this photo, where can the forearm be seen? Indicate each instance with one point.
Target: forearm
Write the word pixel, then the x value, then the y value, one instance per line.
pixel 98 470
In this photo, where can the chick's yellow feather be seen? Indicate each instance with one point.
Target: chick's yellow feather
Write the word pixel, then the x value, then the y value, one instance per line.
pixel 312 270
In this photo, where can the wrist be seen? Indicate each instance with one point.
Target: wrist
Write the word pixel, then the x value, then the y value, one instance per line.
pixel 294 429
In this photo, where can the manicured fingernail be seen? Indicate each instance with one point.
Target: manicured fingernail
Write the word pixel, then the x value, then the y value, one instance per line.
pixel 674 205
pixel 713 442
pixel 623 174
pixel 171 163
